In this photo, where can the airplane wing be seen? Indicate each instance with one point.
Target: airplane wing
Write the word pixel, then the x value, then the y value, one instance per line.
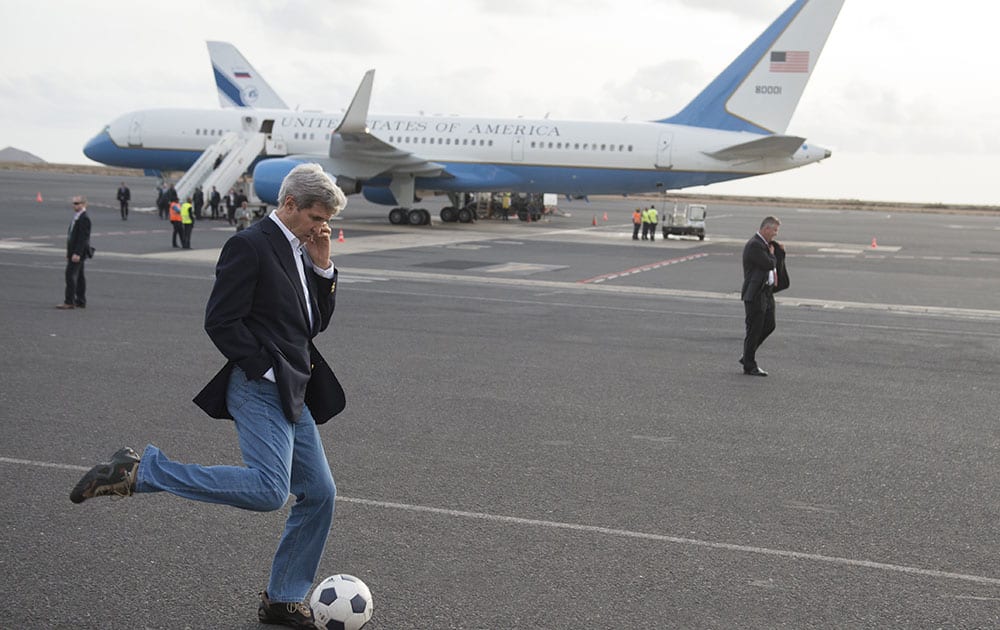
pixel 775 146
pixel 356 153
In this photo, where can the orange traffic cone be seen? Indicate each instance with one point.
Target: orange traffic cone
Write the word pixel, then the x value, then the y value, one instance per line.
pixel 605 216
pixel 874 243
pixel 340 236
pixel 595 220
pixel 39 198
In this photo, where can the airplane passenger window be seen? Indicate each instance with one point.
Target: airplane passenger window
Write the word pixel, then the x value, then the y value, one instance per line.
pixel 630 148
pixel 604 147
pixel 621 147
pixel 491 143
pixel 612 148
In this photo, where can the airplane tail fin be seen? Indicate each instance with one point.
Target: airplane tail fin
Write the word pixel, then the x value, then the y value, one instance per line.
pixel 239 83
pixel 760 89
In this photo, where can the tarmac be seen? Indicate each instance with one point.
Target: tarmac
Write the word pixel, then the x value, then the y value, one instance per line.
pixel 547 425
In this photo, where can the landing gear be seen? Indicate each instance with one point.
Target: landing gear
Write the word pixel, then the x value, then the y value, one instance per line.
pixel 460 209
pixel 418 216
pixel 402 187
pixel 397 216
pixel 405 216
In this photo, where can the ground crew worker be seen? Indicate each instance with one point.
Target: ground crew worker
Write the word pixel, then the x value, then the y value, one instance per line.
pixel 653 220
pixel 175 221
pixel 187 222
pixel 636 223
pixel 644 217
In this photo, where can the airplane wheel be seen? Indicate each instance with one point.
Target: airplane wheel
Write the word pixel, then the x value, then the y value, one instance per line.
pixel 397 216
pixel 419 216
pixel 449 214
pixel 465 215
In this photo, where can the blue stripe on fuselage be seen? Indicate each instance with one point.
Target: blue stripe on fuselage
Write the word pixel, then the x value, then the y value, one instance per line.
pixel 101 148
pixel 558 179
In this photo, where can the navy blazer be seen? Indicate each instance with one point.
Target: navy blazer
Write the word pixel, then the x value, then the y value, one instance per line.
pixel 78 239
pixel 257 318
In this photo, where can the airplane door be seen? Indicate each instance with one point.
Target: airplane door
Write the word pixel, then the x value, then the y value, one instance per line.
pixel 664 151
pixel 517 149
pixel 135 131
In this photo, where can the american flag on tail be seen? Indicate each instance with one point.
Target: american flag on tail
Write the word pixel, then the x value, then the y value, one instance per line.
pixel 790 61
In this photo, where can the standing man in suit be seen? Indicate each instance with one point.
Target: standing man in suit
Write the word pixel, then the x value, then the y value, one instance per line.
pixel 214 200
pixel 763 274
pixel 77 251
pixel 199 202
pixel 231 207
pixel 124 196
pixel 274 291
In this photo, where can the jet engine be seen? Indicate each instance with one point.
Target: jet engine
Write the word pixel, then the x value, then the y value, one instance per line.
pixel 268 175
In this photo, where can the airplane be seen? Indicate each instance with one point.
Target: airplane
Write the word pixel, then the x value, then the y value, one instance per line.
pixel 734 128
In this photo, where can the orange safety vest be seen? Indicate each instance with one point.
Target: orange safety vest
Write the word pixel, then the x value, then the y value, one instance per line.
pixel 175 211
pixel 636 217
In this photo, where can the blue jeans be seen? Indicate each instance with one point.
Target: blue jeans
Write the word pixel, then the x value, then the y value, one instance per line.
pixel 280 458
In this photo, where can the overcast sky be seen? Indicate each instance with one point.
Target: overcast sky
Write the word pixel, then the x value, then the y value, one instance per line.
pixel 905 93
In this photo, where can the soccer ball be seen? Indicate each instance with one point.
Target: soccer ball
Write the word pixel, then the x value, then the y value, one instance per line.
pixel 341 602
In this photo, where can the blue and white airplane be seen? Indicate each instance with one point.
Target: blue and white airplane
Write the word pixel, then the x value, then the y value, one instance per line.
pixel 734 128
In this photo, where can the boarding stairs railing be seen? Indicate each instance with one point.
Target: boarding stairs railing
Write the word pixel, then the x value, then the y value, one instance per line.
pixel 204 165
pixel 247 148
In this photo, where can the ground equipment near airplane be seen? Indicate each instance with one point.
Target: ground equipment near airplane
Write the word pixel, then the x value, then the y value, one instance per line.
pixel 685 220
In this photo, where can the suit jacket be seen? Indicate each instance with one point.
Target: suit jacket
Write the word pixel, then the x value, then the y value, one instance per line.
pixel 758 261
pixel 779 255
pixel 257 317
pixel 78 241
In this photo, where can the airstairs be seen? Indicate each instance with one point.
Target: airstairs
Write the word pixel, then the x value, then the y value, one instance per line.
pixel 222 164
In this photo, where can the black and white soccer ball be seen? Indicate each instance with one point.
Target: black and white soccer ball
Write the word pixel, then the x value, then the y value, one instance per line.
pixel 341 602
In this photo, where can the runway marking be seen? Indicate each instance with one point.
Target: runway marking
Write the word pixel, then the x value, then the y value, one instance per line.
pixel 618 533
pixel 640 269
pixel 669 439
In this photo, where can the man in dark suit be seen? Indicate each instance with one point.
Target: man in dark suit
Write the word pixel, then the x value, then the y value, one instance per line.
pixel 77 251
pixel 124 196
pixel 231 207
pixel 213 201
pixel 763 274
pixel 199 202
pixel 274 291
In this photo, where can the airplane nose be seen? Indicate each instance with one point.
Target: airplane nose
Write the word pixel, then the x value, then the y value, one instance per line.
pixel 827 154
pixel 99 148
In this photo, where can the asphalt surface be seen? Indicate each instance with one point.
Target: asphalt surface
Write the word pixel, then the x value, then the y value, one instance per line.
pixel 546 423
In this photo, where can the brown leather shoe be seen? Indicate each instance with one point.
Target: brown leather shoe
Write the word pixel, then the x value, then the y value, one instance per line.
pixel 65 307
